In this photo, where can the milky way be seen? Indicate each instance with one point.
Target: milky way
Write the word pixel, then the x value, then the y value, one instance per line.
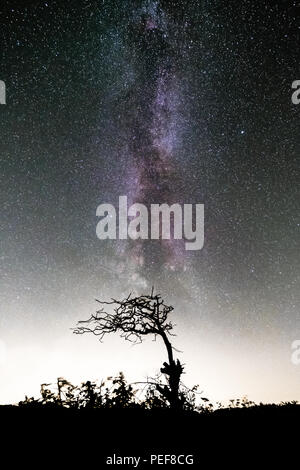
pixel 153 132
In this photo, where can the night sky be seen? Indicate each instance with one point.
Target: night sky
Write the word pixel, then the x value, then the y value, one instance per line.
pixel 162 101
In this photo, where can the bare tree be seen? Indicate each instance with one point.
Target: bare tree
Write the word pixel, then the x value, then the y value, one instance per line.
pixel 134 318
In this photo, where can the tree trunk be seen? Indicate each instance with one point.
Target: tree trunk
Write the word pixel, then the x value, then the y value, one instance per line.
pixel 173 370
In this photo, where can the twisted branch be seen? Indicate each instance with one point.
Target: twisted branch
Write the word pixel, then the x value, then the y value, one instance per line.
pixel 133 318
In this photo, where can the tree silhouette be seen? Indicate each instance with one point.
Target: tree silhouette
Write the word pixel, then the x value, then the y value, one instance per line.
pixel 134 318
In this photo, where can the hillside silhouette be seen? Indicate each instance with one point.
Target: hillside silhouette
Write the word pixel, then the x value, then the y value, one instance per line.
pixel 60 436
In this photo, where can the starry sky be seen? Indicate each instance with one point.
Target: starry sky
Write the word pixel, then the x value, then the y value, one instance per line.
pixel 162 101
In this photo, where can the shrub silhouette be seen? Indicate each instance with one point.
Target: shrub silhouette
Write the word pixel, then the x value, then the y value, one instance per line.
pixel 114 393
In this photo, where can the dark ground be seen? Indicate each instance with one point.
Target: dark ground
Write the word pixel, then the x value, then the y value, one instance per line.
pixel 239 438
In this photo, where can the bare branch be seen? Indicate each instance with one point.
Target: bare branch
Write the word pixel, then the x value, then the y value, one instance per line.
pixel 133 318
